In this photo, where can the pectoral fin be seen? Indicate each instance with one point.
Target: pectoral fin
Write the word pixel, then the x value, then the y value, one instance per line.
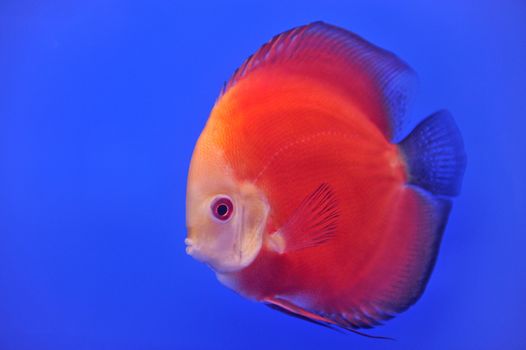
pixel 313 223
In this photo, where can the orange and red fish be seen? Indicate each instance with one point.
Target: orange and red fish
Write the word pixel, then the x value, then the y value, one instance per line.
pixel 307 193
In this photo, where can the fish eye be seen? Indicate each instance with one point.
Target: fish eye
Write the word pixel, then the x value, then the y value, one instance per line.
pixel 222 208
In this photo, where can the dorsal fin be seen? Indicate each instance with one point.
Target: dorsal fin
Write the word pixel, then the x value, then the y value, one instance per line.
pixel 372 75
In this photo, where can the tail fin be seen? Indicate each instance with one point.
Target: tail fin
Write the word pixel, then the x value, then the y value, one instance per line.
pixel 434 153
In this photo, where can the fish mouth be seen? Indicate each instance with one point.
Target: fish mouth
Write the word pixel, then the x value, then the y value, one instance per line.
pixel 194 250
pixel 189 246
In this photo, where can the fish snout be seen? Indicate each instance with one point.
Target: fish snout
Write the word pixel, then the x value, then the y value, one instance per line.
pixel 189 246
pixel 195 250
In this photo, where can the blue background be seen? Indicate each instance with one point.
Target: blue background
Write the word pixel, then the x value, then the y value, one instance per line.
pixel 100 105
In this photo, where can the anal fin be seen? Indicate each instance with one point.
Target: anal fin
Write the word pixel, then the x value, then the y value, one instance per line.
pixel 290 309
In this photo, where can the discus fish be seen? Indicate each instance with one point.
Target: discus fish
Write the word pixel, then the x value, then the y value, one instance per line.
pixel 307 193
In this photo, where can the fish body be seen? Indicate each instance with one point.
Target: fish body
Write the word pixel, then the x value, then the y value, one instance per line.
pixel 335 214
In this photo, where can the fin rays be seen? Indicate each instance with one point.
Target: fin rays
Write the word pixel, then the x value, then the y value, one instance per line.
pixel 314 222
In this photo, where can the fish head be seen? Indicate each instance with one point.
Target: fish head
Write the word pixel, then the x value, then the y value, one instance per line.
pixel 225 217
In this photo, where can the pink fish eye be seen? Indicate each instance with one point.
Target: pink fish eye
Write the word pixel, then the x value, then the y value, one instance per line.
pixel 222 208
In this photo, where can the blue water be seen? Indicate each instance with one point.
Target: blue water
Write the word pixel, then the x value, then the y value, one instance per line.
pixel 100 105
